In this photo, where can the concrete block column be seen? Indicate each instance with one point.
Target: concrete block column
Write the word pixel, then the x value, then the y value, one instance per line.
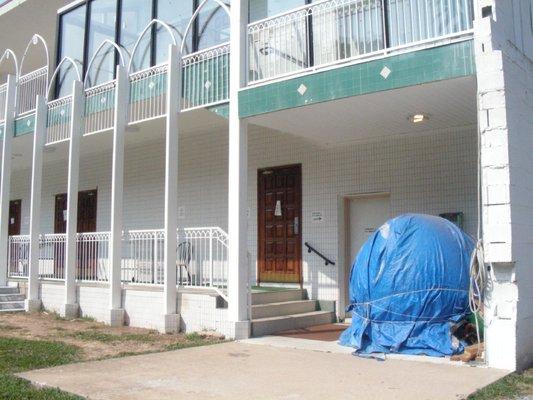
pixel 71 307
pixel 116 317
pixel 5 183
pixel 33 303
pixel 172 318
pixel 238 285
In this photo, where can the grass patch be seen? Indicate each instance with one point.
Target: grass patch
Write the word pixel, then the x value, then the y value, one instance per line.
pixel 192 340
pixel 17 355
pixel 92 335
pixel 509 387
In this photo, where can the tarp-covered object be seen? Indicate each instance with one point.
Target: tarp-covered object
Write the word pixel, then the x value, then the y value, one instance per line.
pixel 408 286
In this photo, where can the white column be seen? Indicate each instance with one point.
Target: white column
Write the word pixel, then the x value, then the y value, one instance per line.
pixel 5 184
pixel 238 289
pixel 117 195
pixel 71 308
pixel 172 319
pixel 33 303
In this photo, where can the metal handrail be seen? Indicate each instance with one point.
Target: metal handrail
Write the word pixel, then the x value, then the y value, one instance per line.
pixel 311 249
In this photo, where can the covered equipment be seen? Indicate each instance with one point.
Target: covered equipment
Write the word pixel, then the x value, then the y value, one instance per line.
pixel 409 285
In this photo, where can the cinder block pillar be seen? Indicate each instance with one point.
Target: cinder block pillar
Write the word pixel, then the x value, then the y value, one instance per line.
pixel 116 317
pixel 172 318
pixel 71 307
pixel 5 183
pixel 33 303
pixel 238 285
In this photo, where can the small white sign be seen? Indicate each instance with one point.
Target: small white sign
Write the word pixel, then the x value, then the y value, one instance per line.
pixel 277 211
pixel 12 221
pixel 316 217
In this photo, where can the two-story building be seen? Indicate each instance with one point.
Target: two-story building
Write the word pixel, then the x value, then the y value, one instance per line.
pixel 207 164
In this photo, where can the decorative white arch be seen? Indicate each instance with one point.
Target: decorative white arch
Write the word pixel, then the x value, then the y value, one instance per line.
pixel 145 30
pixel 195 15
pixel 54 75
pixel 8 53
pixel 105 44
pixel 34 41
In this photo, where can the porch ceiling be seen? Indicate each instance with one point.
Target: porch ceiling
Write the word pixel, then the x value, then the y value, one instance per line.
pixel 448 103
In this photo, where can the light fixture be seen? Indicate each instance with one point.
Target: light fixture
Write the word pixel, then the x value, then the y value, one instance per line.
pixel 418 118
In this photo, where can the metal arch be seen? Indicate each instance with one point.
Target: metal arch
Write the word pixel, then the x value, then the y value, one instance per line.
pixel 36 38
pixel 110 43
pixel 10 53
pixel 52 79
pixel 145 30
pixel 195 15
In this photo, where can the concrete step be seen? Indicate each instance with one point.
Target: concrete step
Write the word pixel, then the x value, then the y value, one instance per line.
pixel 9 290
pixel 11 297
pixel 283 308
pixel 278 296
pixel 9 306
pixel 267 326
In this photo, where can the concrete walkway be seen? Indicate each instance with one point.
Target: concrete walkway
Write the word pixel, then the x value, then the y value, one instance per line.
pixel 252 371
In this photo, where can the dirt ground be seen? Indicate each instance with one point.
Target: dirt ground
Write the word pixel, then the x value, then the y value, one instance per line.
pixel 96 340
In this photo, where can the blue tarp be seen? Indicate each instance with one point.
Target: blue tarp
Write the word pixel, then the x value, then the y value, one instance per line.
pixel 408 286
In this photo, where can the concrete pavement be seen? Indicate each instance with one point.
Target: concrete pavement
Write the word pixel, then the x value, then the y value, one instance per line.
pixel 251 371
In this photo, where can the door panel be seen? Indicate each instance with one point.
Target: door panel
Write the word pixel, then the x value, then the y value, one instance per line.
pixel 279 216
pixel 15 214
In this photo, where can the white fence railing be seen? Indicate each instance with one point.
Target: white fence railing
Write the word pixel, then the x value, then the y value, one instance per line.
pixel 337 30
pixel 148 90
pixel 206 77
pixel 3 95
pixel 202 257
pixel 29 87
pixel 100 107
pixel 58 120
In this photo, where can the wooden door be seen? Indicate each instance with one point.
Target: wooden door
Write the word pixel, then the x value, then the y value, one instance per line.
pixel 15 213
pixel 86 222
pixel 280 224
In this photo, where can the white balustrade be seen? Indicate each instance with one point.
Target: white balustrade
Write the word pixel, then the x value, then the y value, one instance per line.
pixel 29 87
pixel 18 256
pixel 52 256
pixel 3 96
pixel 58 120
pixel 100 108
pixel 148 93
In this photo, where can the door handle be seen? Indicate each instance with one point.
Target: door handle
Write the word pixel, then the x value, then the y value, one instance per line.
pixel 296 226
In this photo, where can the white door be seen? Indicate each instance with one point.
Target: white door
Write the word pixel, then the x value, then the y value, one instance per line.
pixel 365 215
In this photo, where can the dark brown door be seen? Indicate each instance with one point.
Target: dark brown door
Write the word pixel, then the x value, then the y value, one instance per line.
pixel 279 224
pixel 87 201
pixel 14 217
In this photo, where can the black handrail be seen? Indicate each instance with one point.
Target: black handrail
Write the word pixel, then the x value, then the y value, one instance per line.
pixel 322 256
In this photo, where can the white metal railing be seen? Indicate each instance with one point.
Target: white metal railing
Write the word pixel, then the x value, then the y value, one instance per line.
pixel 206 77
pixel 58 120
pixel 148 93
pixel 18 255
pixel 142 257
pixel 100 107
pixel 92 256
pixel 52 256
pixel 29 87
pixel 3 95
pixel 338 30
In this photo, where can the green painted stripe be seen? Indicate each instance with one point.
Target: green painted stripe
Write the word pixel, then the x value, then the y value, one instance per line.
pixel 414 68
pixel 25 125
pixel 221 110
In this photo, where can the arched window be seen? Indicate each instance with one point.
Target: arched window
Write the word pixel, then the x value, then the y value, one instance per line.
pixel 135 16
pixel 177 14
pixel 212 25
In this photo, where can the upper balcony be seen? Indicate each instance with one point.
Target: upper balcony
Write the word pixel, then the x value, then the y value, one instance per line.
pixel 323 36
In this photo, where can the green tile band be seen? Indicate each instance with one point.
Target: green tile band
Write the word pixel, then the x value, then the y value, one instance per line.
pixel 414 68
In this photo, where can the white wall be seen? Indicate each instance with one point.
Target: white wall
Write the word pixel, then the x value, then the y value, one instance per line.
pixel 504 59
pixel 432 173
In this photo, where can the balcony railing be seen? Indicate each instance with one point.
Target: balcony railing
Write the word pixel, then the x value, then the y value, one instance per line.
pixel 29 87
pixel 100 107
pixel 3 95
pixel 202 257
pixel 58 120
pixel 341 30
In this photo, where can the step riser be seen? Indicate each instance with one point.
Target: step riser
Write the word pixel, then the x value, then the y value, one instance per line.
pixel 9 290
pixel 275 310
pixel 277 297
pixel 12 306
pixel 11 297
pixel 294 322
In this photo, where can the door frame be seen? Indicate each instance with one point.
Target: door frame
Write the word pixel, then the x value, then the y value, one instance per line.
pixel 343 216
pixel 19 201
pixel 259 236
pixel 95 191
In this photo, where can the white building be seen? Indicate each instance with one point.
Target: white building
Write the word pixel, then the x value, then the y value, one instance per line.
pixel 134 119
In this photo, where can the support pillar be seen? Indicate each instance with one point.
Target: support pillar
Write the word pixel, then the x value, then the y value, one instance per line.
pixel 5 184
pixel 172 318
pixel 33 303
pixel 116 317
pixel 71 307
pixel 238 285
